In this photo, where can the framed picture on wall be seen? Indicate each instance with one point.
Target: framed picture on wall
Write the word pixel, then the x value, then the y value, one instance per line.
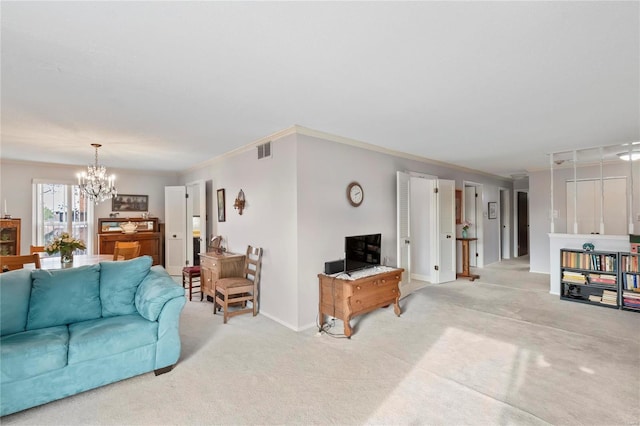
pixel 222 216
pixel 493 209
pixel 458 206
pixel 130 203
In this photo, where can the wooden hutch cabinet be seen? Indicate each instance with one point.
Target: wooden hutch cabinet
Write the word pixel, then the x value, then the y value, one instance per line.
pixel 9 237
pixel 148 234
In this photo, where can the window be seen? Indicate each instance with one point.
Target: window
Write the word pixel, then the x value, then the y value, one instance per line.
pixel 58 207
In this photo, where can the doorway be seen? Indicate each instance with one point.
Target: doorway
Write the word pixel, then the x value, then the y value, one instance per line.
pixel 522 205
pixel 425 228
pixel 473 213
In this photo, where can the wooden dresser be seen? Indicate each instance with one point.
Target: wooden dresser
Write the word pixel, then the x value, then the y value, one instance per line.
pixel 147 234
pixel 214 266
pixel 345 299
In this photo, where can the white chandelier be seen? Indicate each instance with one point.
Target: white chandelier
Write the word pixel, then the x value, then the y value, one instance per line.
pixel 95 184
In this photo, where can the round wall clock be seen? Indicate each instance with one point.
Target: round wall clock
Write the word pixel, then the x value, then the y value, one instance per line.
pixel 355 194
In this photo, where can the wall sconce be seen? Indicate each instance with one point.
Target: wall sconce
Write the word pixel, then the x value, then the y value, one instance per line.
pixel 239 203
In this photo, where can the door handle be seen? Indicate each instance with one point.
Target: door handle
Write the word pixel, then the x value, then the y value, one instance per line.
pixel 448 236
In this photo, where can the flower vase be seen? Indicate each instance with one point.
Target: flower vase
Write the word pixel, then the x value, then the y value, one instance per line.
pixel 464 233
pixel 66 257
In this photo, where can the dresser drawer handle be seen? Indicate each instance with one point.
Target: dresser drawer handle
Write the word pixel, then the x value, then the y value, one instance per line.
pixel 358 302
pixel 358 287
pixel 384 281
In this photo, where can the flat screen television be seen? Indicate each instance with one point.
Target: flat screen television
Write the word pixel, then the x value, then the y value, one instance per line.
pixel 362 251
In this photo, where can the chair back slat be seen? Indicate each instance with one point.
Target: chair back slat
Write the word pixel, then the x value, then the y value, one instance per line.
pixel 10 263
pixel 126 250
pixel 253 264
pixel 36 249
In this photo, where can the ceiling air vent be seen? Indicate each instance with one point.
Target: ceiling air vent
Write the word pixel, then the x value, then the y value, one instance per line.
pixel 264 150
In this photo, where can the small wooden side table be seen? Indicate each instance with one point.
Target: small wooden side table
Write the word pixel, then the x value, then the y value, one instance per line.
pixel 465 260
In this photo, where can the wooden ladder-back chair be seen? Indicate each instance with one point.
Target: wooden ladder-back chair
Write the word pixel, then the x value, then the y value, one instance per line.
pixel 126 250
pixel 10 263
pixel 240 290
pixel 36 249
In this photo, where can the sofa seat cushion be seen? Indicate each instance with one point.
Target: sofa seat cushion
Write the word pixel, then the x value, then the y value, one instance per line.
pixel 60 297
pixel 99 338
pixel 30 353
pixel 119 282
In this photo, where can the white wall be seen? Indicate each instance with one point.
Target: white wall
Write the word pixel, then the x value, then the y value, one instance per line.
pixel 540 205
pixel 268 221
pixel 325 168
pixel 16 187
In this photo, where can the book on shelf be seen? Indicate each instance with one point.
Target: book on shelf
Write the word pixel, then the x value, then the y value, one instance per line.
pixel 586 260
pixel 595 298
pixel 630 263
pixel 574 277
pixel 609 297
pixel 631 296
pixel 631 299
pixel 630 281
pixel 602 279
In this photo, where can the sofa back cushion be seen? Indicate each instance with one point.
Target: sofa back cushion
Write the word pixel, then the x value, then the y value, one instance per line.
pixel 119 282
pixel 64 296
pixel 15 291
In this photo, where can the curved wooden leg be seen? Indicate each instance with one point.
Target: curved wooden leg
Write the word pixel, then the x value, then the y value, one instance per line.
pixel 347 327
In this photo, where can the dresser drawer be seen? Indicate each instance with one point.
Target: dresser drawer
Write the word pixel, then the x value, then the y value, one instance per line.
pixel 369 300
pixel 374 285
pixel 209 263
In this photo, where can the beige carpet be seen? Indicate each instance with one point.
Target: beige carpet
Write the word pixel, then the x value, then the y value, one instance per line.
pixel 500 350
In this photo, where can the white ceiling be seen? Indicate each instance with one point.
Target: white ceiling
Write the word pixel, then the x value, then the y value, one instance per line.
pixel 492 86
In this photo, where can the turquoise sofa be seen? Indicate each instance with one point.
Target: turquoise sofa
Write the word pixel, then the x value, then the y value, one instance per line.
pixel 70 330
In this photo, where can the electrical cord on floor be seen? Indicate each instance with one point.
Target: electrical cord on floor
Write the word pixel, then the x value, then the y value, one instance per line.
pixel 324 328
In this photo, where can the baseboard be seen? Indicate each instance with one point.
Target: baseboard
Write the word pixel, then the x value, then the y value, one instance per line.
pixel 279 321
pixel 421 277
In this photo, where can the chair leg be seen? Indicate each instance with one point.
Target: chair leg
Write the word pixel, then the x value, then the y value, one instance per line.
pixel 190 287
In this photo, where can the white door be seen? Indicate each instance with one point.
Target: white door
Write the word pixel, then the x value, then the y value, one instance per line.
pixel 175 216
pixel 505 225
pixel 443 220
pixel 403 231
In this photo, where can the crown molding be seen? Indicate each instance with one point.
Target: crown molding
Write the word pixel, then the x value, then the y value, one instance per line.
pixel 301 130
pixel 364 145
pixel 84 167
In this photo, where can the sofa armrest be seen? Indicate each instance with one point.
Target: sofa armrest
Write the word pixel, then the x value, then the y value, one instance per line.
pixel 168 345
pixel 156 289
